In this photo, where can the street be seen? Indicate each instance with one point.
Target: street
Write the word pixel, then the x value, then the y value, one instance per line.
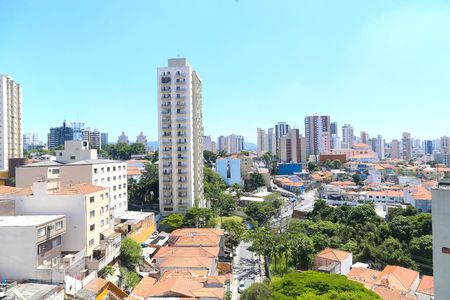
pixel 247 267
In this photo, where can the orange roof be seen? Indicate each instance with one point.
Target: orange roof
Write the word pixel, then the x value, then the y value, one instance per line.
pixel 143 288
pixel 363 275
pixel 398 278
pixel 426 285
pixel 182 262
pixel 5 190
pixel 96 284
pixel 177 286
pixel 197 231
pixel 200 241
pixel 133 171
pixel 361 145
pixel 389 294
pixel 421 193
pixel 81 188
pixel 192 274
pixel 187 252
pixel 333 254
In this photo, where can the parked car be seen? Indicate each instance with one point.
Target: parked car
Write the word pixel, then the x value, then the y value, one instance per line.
pixel 241 287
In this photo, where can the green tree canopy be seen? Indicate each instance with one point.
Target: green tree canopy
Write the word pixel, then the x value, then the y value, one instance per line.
pixel 172 222
pixel 130 253
pixel 257 291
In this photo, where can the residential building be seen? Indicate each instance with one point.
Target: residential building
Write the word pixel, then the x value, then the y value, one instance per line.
pixel 58 135
pixel 90 228
pixel 93 137
pixel 442 158
pixel 395 149
pixel 30 244
pixel 221 144
pixel 77 163
pixel 213 147
pixel 289 168
pixel 334 128
pixel 292 147
pixel 104 139
pixel 123 138
pixel 333 261
pixel 358 152
pixel 207 143
pixel 317 129
pixel 141 138
pixel 234 144
pixel 136 225
pixel 229 169
pixel 335 142
pixel 406 146
pixel 30 141
pixel 271 141
pixel 11 143
pixel 198 237
pixel 363 137
pixel 261 141
pixel 428 147
pixel 281 129
pixel 379 147
pixel 101 289
pixel 347 136
pixel 445 144
pixel 441 237
pixel 425 290
pixel 180 137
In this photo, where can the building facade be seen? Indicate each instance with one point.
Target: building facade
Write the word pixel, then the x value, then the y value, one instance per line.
pixel 58 135
pixel 261 141
pixel 406 146
pixel 104 138
pixel 11 142
pixel 123 138
pixel 281 129
pixel 317 133
pixel 292 147
pixel 180 137
pixel 229 169
pixel 141 138
pixel 93 137
pixel 379 147
pixel 347 136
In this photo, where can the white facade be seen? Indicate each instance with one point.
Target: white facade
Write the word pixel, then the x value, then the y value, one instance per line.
pixel 262 141
pixel 234 144
pixel 229 170
pixel 180 129
pixel 347 136
pixel 379 147
pixel 11 140
pixel 441 238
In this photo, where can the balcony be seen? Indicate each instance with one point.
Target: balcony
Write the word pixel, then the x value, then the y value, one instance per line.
pixel 167 142
pixel 180 89
pixel 180 74
pixel 181 134
pixel 166 127
pixel 182 150
pixel 166 89
pixel 181 119
pixel 166 96
pixel 166 104
pixel 182 188
pixel 167 180
pixel 181 112
pixel 167 188
pixel 167 157
pixel 182 172
pixel 180 96
pixel 167 165
pixel 181 157
pixel 166 112
pixel 181 142
pixel 167 150
pixel 182 165
pixel 182 180
pixel 179 126
pixel 181 104
pixel 166 120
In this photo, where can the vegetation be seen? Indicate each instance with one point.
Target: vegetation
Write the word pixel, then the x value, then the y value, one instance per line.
pixel 123 151
pixel 313 167
pixel 172 222
pixel 255 181
pixel 37 152
pixel 357 178
pixel 257 291
pixel 270 162
pixel 107 270
pixel 129 279
pixel 199 218
pixel 236 231
pixel 145 190
pixel 209 158
pixel 130 253
pixel 261 212
pixel 335 164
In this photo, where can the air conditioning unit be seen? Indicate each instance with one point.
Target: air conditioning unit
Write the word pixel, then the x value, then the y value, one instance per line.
pixel 68 260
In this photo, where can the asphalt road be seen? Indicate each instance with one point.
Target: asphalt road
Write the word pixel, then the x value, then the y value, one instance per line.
pixel 246 265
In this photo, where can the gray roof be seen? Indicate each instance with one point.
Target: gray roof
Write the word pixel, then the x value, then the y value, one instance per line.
pixel 32 291
pixel 44 163
pixel 94 162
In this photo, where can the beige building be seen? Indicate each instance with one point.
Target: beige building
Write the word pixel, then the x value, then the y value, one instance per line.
pixel 180 137
pixel 293 147
pixel 11 143
pixel 76 164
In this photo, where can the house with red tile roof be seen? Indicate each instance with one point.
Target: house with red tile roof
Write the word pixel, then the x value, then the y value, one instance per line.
pixel 425 290
pixel 333 261
pixel 399 278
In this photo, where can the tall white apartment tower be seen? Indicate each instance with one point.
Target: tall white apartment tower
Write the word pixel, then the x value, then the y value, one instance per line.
pixel 262 141
pixel 11 143
pixel 441 237
pixel 180 137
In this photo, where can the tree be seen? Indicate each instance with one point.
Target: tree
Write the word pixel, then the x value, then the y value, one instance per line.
pixel 392 252
pixel 337 164
pixel 130 253
pixel 129 279
pixel 422 252
pixel 172 222
pixel 155 156
pixel 356 178
pixel 199 218
pixel 107 270
pixel 225 205
pixel 260 212
pixel 313 167
pixel 236 231
pixel 403 228
pixel 424 224
pixel 302 250
pixel 315 285
pixel 209 158
pixel 257 291
pixel 147 188
pixel 256 180
pixel 137 148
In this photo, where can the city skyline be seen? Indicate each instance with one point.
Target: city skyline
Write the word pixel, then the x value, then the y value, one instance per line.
pixel 388 63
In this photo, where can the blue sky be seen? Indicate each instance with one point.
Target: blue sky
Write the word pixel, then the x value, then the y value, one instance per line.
pixel 382 66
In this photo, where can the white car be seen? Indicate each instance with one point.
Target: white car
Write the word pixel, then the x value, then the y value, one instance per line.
pixel 241 287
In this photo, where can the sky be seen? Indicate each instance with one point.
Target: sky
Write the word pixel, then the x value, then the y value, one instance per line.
pixel 382 66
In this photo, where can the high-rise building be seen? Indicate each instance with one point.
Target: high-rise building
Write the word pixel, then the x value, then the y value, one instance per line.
pixel 406 146
pixel 93 137
pixel 379 147
pixel 395 149
pixel 428 147
pixel 262 140
pixel 30 140
pixel 317 134
pixel 280 130
pixel 141 138
pixel 292 147
pixel 104 138
pixel 10 120
pixel 221 144
pixel 364 137
pixel 347 136
pixel 58 135
pixel 335 142
pixel 271 143
pixel 234 144
pixel 207 143
pixel 440 207
pixel 123 138
pixel 213 147
pixel 334 128
pixel 180 137
pixel 445 144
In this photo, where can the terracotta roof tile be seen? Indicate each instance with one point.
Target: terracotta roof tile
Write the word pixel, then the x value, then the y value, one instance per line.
pixel 333 254
pixel 426 285
pixel 398 278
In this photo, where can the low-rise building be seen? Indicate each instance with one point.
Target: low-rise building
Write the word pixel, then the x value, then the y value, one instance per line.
pixel 198 237
pixel 333 261
pixel 101 289
pixel 229 169
pixel 137 225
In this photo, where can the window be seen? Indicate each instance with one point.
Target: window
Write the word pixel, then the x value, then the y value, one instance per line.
pixel 102 170
pixel 95 171
pixel 102 196
pixel 56 242
pixel 91 242
pixel 108 169
pixel 114 169
pixel 109 179
pixel 91 199
pixel 59 225
pixel 72 157
pixel 102 223
pixel 96 181
pixel 114 177
pixel 42 232
pixel 92 213
pixel 92 227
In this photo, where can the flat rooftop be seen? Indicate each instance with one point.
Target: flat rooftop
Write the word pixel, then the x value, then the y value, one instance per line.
pixel 33 291
pixel 34 220
pixel 135 215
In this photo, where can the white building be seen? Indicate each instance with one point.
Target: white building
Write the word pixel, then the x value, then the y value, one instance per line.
pixel 441 237
pixel 347 136
pixel 317 134
pixel 379 147
pixel 406 146
pixel 123 138
pixel 77 163
pixel 281 129
pixel 141 138
pixel 229 169
pixel 180 137
pixel 262 140
pixel 11 143
pixel 271 142
pixel 207 143
pixel 234 144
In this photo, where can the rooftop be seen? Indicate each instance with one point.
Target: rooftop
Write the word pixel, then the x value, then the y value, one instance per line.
pixel 34 220
pixel 333 254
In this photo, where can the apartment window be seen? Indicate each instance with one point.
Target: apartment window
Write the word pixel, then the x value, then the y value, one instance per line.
pixel 102 170
pixel 102 210
pixel 102 223
pixel 103 180
pixel 102 196
pixel 92 213
pixel 114 169
pixel 59 225
pixel 120 205
pixel 96 181
pixel 42 232
pixel 120 176
pixel 108 169
pixel 91 242
pixel 91 199
pixel 114 177
pixel 72 157
pixel 114 188
pixel 92 227
pixel 108 179
pixel 56 242
pixel 95 171
pixel 119 168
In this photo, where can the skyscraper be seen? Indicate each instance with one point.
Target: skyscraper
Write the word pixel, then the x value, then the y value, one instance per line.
pixel 104 137
pixel 58 135
pixel 428 147
pixel 280 130
pixel 347 136
pixel 180 137
pixel 234 144
pixel 317 134
pixel 93 137
pixel 123 138
pixel 445 144
pixel 440 207
pixel 334 128
pixel 364 137
pixel 207 143
pixel 221 144
pixel 10 120
pixel 271 143
pixel 406 146
pixel 379 147
pixel 262 140
pixel 395 149
pixel 292 147
pixel 141 138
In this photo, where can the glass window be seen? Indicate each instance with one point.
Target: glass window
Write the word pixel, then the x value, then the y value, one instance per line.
pixel 92 227
pixel 92 213
pixel 42 232
pixel 56 242
pixel 91 199
pixel 59 225
pixel 91 242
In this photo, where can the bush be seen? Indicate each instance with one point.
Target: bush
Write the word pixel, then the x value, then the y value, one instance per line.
pixel 130 253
